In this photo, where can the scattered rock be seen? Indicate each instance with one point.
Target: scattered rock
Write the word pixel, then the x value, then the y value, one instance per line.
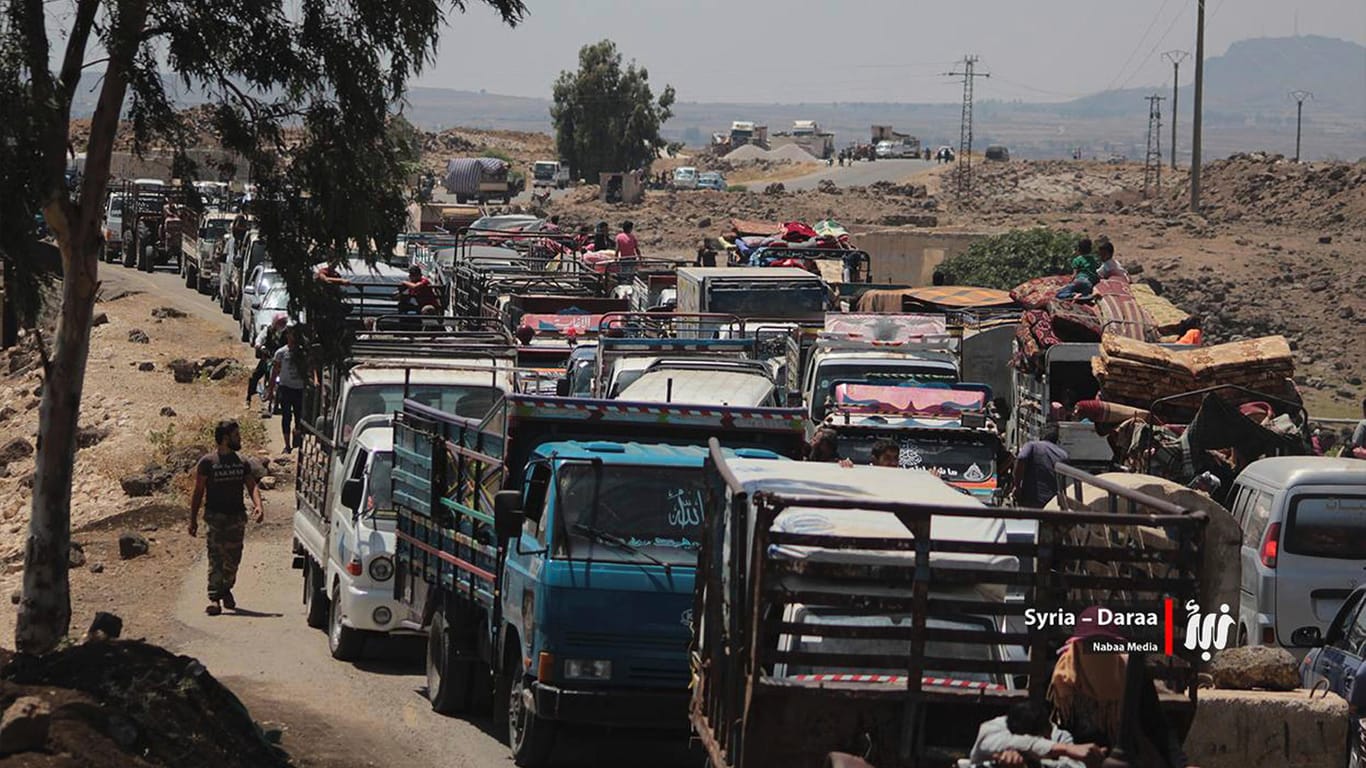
pixel 147 365
pixel 267 483
pixel 105 626
pixel 75 556
pixel 132 545
pixel 1255 666
pixel 25 725
pixel 138 337
pixel 16 597
pixel 704 222
pixel 89 437
pixel 184 371
pixel 168 411
pixel 14 450
pixel 99 319
pixel 97 567
pixel 1354 381
pixel 138 485
pixel 776 188
pixel 7 413
pixel 168 313
pixel 220 371
pixel 828 187
pixel 1318 284
pixel 1326 239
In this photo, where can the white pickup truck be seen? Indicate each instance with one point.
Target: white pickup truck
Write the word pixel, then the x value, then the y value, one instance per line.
pixel 344 546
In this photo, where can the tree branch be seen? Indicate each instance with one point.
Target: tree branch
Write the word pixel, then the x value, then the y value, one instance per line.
pixel 75 49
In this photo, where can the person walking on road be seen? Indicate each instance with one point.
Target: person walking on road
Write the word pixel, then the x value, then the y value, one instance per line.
pixel 220 478
pixel 287 384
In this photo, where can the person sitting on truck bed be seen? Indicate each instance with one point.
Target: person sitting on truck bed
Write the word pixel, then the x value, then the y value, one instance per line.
pixel 1110 268
pixel 1025 736
pixel 824 446
pixel 416 293
pixel 1189 332
pixel 1084 267
pixel 1034 477
pixel 328 273
pixel 1087 694
pixel 627 245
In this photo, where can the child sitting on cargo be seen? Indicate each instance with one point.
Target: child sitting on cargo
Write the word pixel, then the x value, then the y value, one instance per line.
pixel 1110 268
pixel 1085 268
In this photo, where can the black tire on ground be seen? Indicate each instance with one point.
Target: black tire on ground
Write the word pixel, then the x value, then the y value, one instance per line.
pixel 345 643
pixel 315 600
pixel 145 258
pixel 191 277
pixel 446 696
pixel 530 737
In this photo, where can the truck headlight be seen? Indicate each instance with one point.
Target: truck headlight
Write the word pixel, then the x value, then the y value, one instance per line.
pixel 381 569
pixel 587 669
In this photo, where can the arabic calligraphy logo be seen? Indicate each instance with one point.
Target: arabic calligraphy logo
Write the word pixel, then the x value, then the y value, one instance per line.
pixel 909 457
pixel 1209 632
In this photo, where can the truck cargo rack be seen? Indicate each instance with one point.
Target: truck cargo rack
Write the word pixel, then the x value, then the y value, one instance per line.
pixel 664 325
pixel 747 715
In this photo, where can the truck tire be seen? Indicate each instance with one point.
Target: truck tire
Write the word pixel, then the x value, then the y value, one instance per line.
pixel 345 643
pixel 191 277
pixel 145 258
pixel 530 737
pixel 315 600
pixel 130 255
pixel 443 689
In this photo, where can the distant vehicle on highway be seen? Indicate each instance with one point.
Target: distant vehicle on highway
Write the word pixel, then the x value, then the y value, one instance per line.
pixel 711 180
pixel 685 177
pixel 549 173
pixel 886 149
pixel 1116 159
pixel 998 153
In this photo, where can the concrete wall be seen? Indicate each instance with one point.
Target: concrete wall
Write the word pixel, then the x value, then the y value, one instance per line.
pixel 909 255
pixel 1262 729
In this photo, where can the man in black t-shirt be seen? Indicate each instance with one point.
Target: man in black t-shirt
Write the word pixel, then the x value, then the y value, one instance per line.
pixel 219 480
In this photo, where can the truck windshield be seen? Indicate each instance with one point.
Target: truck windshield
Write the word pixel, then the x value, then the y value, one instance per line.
pixel 875 647
pixel 378 499
pixel 655 510
pixel 468 400
pixel 886 372
pixel 544 170
pixel 214 229
pixel 758 300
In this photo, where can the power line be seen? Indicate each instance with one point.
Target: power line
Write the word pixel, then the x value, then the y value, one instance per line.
pixel 1152 162
pixel 1138 46
pixel 965 125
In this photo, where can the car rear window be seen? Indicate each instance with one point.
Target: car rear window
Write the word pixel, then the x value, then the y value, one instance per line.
pixel 1327 526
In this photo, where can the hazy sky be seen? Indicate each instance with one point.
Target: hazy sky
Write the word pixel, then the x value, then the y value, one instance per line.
pixel 869 50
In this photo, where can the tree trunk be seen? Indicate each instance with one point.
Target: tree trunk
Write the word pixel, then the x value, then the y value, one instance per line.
pixel 45 612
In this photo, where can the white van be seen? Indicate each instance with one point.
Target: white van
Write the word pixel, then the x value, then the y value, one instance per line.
pixel 685 178
pixel 1304 544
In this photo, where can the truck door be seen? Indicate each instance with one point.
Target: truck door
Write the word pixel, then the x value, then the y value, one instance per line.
pixel 527 553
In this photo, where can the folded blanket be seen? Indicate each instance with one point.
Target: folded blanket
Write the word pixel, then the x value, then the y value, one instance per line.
pixel 1036 293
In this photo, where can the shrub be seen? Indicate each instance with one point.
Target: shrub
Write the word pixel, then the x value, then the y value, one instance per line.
pixel 737 188
pixel 1004 261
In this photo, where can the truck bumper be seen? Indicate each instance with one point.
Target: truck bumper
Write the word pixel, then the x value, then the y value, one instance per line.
pixel 620 708
pixel 359 605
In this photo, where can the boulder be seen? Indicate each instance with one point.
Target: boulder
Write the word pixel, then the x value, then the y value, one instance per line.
pixel 99 319
pixel 1263 729
pixel 132 545
pixel 106 626
pixel 89 437
pixel 138 337
pixel 827 187
pixel 25 725
pixel 7 413
pixel 139 485
pixel 14 450
pixel 704 222
pixel 75 556
pixel 184 370
pixel 1255 666
pixel 147 365
pixel 221 371
pixel 168 313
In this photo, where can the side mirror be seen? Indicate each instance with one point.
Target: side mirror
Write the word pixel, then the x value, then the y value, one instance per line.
pixel 350 494
pixel 562 387
pixel 507 514
pixel 249 289
pixel 1306 637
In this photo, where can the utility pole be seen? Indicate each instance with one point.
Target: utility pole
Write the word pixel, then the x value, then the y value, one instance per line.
pixel 1199 103
pixel 1152 163
pixel 965 125
pixel 1175 57
pixel 1300 97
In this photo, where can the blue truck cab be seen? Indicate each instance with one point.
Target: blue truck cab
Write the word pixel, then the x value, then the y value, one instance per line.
pixel 550 553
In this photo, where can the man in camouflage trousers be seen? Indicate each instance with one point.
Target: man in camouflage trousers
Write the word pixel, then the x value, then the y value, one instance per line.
pixel 220 478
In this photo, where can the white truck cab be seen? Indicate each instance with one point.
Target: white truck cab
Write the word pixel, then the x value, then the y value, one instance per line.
pixel 832 365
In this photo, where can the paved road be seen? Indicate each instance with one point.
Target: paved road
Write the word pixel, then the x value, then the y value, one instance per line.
pixel 861 174
pixel 373 712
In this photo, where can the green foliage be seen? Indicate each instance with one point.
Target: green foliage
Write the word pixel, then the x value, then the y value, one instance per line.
pixel 1004 261
pixel 737 188
pixel 606 118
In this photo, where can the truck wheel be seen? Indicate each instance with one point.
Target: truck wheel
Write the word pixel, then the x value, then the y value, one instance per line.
pixel 443 691
pixel 191 277
pixel 145 259
pixel 201 283
pixel 315 600
pixel 530 737
pixel 345 643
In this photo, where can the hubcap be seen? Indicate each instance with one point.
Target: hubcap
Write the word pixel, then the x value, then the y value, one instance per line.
pixel 335 634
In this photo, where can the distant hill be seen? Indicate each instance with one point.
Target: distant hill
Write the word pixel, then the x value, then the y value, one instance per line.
pixel 1246 108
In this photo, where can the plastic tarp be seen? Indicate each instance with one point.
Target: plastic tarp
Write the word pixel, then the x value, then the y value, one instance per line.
pixel 880 327
pixel 581 323
pixel 463 174
pixel 882 484
pixel 919 401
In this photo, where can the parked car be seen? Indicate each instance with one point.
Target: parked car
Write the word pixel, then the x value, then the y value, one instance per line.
pixel 886 149
pixel 1304 544
pixel 711 180
pixel 262 281
pixel 113 227
pixel 685 178
pixel 1339 659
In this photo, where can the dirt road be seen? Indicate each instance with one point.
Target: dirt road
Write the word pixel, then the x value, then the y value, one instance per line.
pixel 333 714
pixel 861 174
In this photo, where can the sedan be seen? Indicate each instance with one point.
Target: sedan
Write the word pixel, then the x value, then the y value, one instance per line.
pixel 1339 660
pixel 275 302
pixel 262 280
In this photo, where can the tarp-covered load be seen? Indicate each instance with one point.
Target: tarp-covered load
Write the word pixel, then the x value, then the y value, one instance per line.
pixel 1112 310
pixel 918 401
pixel 464 174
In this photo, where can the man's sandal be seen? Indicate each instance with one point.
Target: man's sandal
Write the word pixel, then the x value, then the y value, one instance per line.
pixel 213 609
